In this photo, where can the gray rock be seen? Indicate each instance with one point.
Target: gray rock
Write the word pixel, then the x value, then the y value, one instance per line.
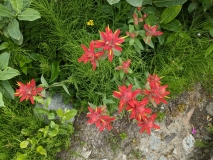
pixel 162 157
pixel 188 143
pixel 151 157
pixel 57 102
pixel 85 153
pixel 169 138
pixel 155 142
pixel 209 108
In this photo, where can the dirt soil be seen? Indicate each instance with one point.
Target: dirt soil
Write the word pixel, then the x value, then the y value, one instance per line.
pixel 125 142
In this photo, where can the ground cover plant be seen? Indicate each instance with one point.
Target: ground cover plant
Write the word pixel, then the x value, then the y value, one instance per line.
pixel 104 56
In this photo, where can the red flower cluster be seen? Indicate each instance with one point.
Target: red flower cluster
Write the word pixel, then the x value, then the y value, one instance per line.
pixel 99 117
pixel 90 55
pixel 124 66
pixel 152 30
pixel 28 91
pixel 157 93
pixel 137 19
pixel 138 109
pixel 109 42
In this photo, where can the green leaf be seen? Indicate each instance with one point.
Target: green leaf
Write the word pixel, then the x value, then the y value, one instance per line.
pixel 4 12
pixel 53 125
pixel 121 73
pixel 13 29
pixel 17 5
pixel 193 6
pixel 113 1
pixel 55 71
pixel 60 112
pixel 27 3
pixel 168 3
pixel 1 100
pixel 174 26
pixel 41 150
pixel 51 116
pixel 29 14
pixel 209 50
pixel 116 52
pixel 170 38
pixel 135 3
pixel 4 60
pixel 8 73
pixel 24 144
pixel 21 157
pixel 39 99
pixel 131 28
pixel 3 46
pixel 161 39
pixel 147 2
pixel 139 44
pixel 149 10
pixel 43 81
pixel 53 133
pixel 40 110
pixel 170 13
pixel 137 84
pixel 92 105
pixel 184 35
pixel 131 41
pixel 62 131
pixel 211 32
pixel 70 114
pixel 108 101
pixel 7 89
pixel 20 41
pixel 65 89
pixel 152 20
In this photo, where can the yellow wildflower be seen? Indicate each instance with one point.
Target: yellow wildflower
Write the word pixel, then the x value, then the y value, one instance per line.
pixel 90 23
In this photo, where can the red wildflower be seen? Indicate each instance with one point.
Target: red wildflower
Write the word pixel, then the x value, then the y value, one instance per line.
pixel 90 55
pixel 28 91
pixel 95 114
pixel 152 30
pixel 106 123
pixel 148 124
pixel 153 80
pixel 126 95
pixel 136 19
pixel 110 41
pixel 157 93
pixel 138 110
pixel 99 118
pixel 132 34
pixel 124 66
pixel 139 8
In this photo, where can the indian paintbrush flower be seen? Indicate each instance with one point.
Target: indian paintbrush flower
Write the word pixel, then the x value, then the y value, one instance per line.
pixel 90 55
pixel 126 95
pixel 110 41
pixel 99 117
pixel 148 123
pixel 28 91
pixel 152 30
pixel 125 66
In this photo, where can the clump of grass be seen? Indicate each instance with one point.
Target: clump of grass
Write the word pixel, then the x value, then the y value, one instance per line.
pixel 12 120
pixel 183 63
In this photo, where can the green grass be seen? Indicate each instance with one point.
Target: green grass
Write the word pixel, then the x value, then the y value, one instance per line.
pixel 13 119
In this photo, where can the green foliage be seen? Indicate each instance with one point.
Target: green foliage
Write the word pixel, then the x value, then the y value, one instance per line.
pixel 10 12
pixel 201 144
pixel 6 73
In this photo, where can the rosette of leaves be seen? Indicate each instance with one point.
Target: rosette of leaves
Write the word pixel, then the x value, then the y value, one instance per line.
pixel 6 73
pixel 10 12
